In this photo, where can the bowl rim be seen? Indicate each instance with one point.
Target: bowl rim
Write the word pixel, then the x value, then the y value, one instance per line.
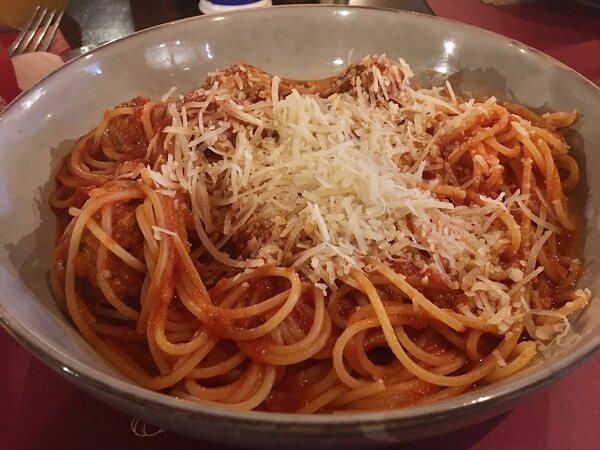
pixel 250 11
pixel 461 406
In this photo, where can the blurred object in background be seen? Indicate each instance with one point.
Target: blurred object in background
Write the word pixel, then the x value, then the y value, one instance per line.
pixel 220 6
pixel 107 20
pixel 593 3
pixel 16 13
pixel 506 2
pixel 32 67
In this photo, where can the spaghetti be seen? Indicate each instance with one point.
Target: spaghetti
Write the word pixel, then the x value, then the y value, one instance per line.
pixel 350 244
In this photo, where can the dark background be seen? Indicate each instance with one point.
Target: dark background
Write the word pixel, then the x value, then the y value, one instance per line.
pixel 96 21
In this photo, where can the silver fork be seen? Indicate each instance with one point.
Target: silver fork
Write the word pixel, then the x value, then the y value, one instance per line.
pixel 42 24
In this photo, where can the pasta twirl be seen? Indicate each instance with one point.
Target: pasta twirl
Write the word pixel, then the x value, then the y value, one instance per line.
pixel 355 243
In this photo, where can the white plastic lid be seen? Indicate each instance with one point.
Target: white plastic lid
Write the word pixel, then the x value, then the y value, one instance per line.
pixel 209 7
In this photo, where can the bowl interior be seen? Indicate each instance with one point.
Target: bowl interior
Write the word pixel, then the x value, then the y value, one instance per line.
pixel 42 125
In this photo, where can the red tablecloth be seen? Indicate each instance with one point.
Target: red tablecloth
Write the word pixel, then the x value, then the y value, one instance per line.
pixel 40 410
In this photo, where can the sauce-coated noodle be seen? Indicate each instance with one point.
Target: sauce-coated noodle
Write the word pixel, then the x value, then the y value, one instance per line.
pixel 349 244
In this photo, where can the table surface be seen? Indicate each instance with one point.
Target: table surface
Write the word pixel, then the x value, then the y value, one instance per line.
pixel 41 410
pixel 94 21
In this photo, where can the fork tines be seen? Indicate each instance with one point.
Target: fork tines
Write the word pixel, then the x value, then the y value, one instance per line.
pixel 38 33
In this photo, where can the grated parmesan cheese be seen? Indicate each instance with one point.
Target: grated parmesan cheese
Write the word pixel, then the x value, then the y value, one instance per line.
pixel 159 230
pixel 321 184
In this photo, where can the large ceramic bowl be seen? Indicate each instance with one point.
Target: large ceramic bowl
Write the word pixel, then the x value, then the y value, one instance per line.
pixel 298 42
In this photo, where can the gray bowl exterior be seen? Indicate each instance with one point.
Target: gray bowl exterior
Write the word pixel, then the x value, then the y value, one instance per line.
pixel 305 42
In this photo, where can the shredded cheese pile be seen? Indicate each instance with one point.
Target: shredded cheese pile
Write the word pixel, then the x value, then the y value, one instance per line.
pixel 319 184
